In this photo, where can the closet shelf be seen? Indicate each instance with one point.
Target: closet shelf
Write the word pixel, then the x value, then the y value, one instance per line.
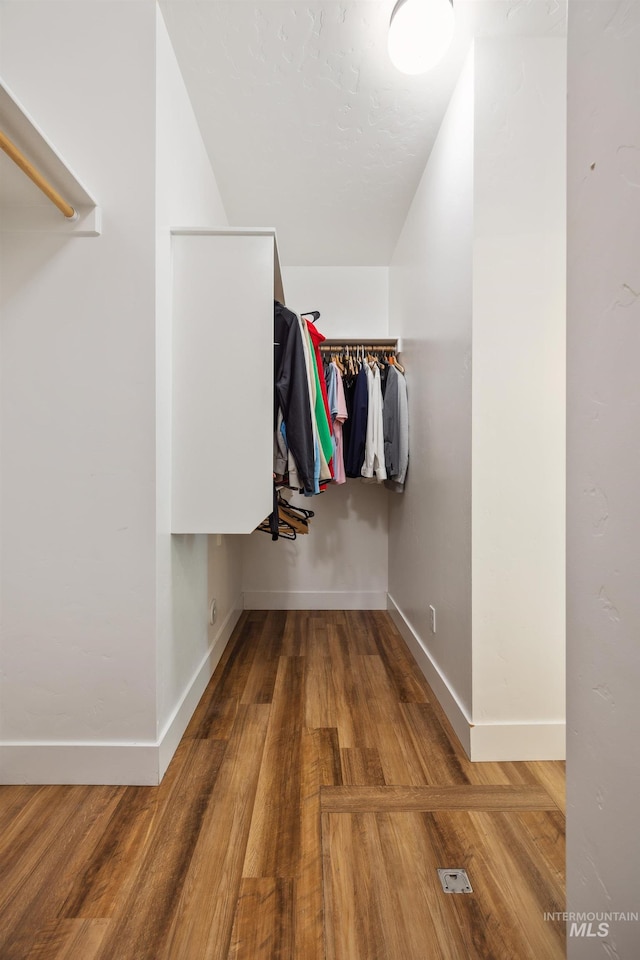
pixel 23 207
pixel 224 284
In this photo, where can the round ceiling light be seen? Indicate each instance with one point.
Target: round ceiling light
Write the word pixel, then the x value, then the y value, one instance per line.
pixel 420 33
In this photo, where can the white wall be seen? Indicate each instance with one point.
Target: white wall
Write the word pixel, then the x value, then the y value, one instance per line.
pixel 106 644
pixel 430 306
pixel 353 301
pixel 78 405
pixel 479 273
pixel 343 562
pixel 186 195
pixel 603 655
pixel 518 489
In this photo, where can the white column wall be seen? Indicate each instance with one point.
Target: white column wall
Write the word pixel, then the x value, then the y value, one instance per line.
pixel 430 307
pixel 188 646
pixel 603 654
pixel 518 489
pixel 78 409
pixel 477 282
pixel 343 562
pixel 106 643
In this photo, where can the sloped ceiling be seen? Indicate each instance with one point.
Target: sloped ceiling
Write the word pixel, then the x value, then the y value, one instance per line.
pixel 308 125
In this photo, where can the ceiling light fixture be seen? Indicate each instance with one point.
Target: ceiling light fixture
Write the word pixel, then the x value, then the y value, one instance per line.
pixel 420 33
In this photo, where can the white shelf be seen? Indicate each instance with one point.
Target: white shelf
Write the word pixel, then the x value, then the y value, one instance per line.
pixel 23 208
pixel 278 289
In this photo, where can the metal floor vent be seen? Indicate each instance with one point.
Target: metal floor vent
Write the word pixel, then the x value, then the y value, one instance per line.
pixel 455 881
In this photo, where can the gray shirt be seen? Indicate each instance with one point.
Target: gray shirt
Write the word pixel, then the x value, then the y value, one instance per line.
pixel 395 420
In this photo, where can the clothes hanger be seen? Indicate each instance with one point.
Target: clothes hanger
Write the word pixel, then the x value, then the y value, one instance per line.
pixel 287 515
pixel 398 364
pixel 348 360
pixel 338 362
pixel 283 530
pixel 297 511
pixel 274 524
pixel 296 517
pixel 286 532
pixel 301 510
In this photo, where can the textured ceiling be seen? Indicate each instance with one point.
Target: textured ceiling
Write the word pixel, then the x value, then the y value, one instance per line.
pixel 308 125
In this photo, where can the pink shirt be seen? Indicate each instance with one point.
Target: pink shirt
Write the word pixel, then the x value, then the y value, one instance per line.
pixel 340 417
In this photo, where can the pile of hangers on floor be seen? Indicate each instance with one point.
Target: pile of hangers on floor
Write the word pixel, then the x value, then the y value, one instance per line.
pixel 285 521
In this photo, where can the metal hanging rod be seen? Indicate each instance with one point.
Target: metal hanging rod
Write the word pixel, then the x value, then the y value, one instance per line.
pixel 36 177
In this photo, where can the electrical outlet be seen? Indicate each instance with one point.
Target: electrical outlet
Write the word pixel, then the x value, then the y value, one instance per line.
pixel 432 611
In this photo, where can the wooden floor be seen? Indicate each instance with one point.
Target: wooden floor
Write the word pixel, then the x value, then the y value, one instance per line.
pixel 314 795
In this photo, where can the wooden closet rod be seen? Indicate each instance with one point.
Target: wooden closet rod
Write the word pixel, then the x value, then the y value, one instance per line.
pixel 379 347
pixel 34 175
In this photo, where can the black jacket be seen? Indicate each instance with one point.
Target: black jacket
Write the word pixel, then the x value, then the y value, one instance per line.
pixel 292 392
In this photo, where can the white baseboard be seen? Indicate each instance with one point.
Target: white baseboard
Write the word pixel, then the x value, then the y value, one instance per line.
pixel 179 719
pixel 315 600
pixel 447 698
pixel 518 741
pixel 541 740
pixel 121 763
pixel 118 763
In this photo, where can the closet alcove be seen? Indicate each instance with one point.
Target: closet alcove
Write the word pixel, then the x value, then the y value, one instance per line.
pixel 224 285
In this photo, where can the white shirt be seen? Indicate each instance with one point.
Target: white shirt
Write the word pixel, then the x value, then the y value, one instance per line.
pixel 373 465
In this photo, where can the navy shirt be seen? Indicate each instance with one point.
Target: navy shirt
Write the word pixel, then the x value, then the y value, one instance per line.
pixel 358 435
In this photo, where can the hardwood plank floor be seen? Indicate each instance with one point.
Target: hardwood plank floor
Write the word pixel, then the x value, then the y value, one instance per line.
pixel 264 923
pixel 203 908
pixel 70 940
pixel 349 799
pixel 314 794
pixel 383 897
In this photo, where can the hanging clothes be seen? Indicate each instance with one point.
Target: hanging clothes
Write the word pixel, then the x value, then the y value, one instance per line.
pixel 395 417
pixel 310 386
pixel 375 433
pixel 349 387
pixel 357 439
pixel 344 417
pixel 280 450
pixel 317 338
pixel 292 395
pixel 331 382
pixel 373 466
pixel 339 416
pixel 320 404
